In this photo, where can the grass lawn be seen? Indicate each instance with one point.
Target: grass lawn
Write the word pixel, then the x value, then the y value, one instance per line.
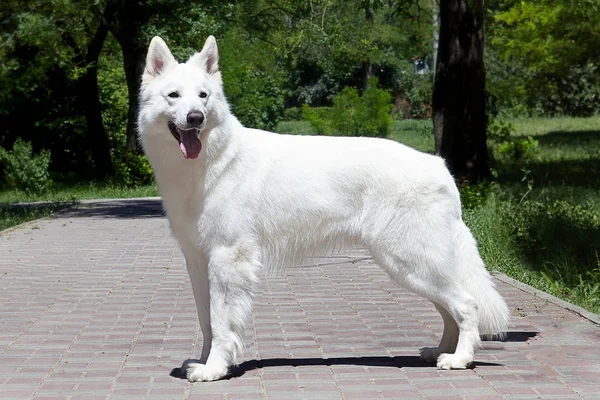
pixel 61 196
pixel 539 222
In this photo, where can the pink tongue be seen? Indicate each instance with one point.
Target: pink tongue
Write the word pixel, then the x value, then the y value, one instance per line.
pixel 190 144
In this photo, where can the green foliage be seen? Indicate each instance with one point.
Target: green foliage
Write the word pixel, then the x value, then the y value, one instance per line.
pixel 25 170
pixel 499 131
pixel 542 57
pixel 507 147
pixel 353 115
pixel 414 93
pixel 326 45
pixel 113 95
pixel 257 100
pixel 474 196
pixel 252 85
pixel 292 114
pixel 577 92
pixel 518 149
pixel 563 239
pixel 318 119
pixel 132 169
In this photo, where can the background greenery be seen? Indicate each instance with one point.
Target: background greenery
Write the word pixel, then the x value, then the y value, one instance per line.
pixel 322 67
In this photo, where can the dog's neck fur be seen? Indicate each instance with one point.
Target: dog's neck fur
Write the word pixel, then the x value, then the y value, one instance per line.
pixel 220 148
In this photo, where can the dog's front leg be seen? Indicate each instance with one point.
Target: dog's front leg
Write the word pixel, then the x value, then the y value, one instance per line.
pixel 197 266
pixel 232 278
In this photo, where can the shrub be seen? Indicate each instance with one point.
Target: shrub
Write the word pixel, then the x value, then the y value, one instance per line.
pixel 317 117
pixel 25 170
pixel 507 147
pixel 256 99
pixel 132 169
pixel 474 196
pixel 292 114
pixel 353 115
pixel 415 93
pixel 518 149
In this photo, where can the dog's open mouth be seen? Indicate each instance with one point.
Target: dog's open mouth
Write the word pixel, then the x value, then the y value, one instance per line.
pixel 188 139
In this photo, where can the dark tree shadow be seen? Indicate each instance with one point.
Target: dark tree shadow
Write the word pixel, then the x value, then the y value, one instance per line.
pixel 375 361
pixel 122 209
pixel 569 138
pixel 13 214
pixel 577 173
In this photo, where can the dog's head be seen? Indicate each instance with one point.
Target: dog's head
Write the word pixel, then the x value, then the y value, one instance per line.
pixel 183 99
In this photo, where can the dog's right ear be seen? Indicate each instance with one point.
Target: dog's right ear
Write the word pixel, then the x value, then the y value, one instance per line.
pixel 158 59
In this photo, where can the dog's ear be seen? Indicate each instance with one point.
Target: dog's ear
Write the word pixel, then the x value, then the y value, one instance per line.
pixel 158 59
pixel 208 58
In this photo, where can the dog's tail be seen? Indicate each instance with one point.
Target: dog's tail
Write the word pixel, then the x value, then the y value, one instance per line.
pixel 493 311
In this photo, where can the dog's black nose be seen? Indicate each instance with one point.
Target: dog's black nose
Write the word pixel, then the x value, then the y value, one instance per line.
pixel 195 118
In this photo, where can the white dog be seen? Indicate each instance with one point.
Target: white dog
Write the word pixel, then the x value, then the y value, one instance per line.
pixel 239 200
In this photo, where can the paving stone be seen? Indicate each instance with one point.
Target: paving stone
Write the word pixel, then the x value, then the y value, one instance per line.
pixel 96 303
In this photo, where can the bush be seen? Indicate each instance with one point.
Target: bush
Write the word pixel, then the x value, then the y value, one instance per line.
pixel 415 93
pixel 318 119
pixel 132 169
pixel 292 114
pixel 25 170
pixel 507 147
pixel 474 196
pixel 518 149
pixel 353 115
pixel 256 99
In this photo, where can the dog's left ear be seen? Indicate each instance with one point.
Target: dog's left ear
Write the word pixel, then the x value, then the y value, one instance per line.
pixel 208 58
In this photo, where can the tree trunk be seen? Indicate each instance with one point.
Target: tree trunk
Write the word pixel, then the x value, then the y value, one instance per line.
pixel 125 21
pixel 134 60
pixel 459 115
pixel 89 94
pixel 368 64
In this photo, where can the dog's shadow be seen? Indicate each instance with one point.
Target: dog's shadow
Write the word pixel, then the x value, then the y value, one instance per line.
pixel 375 361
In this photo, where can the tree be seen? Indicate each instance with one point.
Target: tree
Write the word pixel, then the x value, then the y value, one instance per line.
pixel 89 94
pixel 459 113
pixel 131 23
pixel 125 20
pixel 553 49
pixel 54 47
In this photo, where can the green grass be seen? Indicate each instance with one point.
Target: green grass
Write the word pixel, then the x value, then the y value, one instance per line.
pixel 539 222
pixel 413 133
pixel 79 191
pixel 60 196
pixel 12 215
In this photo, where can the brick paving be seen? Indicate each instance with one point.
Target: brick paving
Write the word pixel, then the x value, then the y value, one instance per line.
pixel 96 304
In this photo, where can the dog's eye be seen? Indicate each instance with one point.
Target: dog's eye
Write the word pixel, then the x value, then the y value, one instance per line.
pixel 173 95
pixel 203 95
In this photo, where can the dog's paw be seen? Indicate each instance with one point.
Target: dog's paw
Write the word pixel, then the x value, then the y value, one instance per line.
pixel 430 354
pixel 205 373
pixel 453 361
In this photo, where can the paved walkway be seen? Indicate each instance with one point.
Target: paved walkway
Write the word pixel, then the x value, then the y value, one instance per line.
pixel 96 303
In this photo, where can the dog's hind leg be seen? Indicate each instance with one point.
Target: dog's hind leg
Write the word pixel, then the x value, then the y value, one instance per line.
pixel 458 308
pixel 232 278
pixel 449 338
pixel 420 256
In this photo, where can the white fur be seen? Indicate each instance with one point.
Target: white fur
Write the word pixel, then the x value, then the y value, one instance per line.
pixel 255 199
